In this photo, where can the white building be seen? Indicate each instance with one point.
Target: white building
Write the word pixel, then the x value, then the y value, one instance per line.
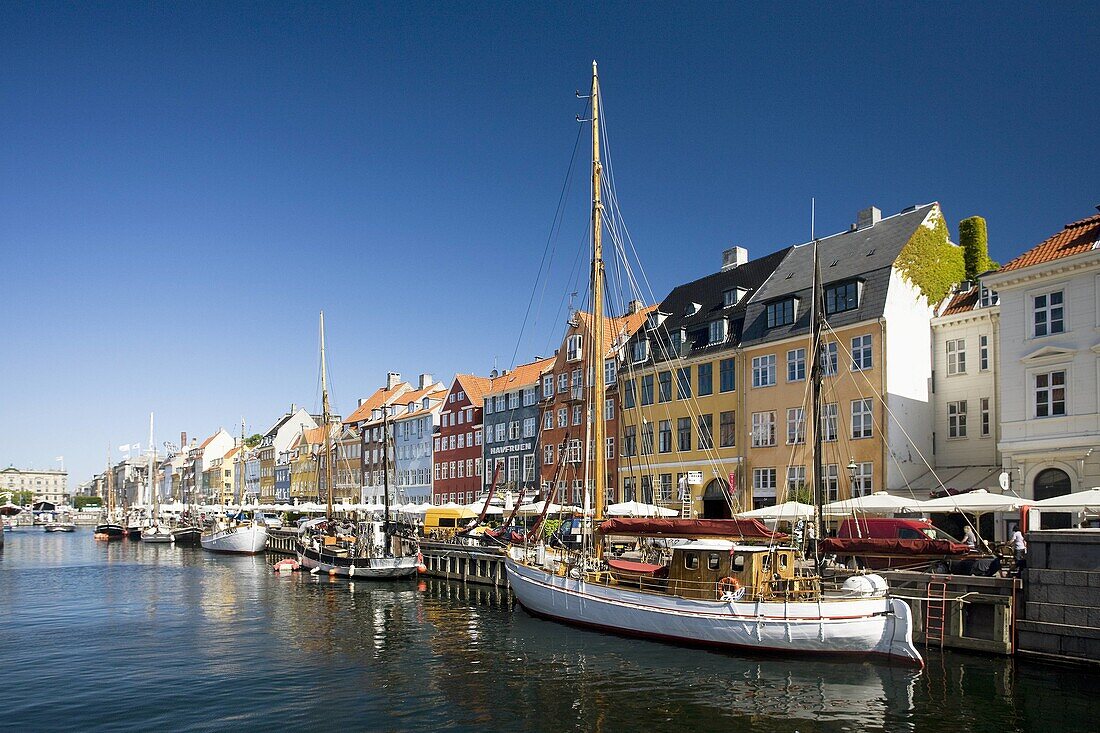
pixel 1050 364
pixel 51 486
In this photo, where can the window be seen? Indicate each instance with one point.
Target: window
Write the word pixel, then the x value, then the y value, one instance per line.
pixel 629 398
pixel 987 297
pixel 706 436
pixel 639 350
pixel 548 385
pixel 610 447
pixel 630 440
pixel 956 419
pixel 781 313
pixel 1048 313
pixel 664 487
pixel 548 454
pixel 861 484
pixel 796 425
pixel 548 420
pixel 528 468
pixel 609 409
pixel 563 417
pixel 513 400
pixel 716 331
pixel 683 433
pixel 956 356
pixel 647 389
pixel 706 379
pixel 727 434
pixel 763 370
pixel 513 469
pixel 647 439
pixel 664 387
pixel 488 405
pixel 573 347
pixel 530 396
pixel 691 561
pixel 729 297
pixel 664 437
pixel 832 482
pixel 563 382
pixel 796 480
pixel 861 419
pixel 1050 394
pixel 683 383
pixel 574 450
pixel 983 353
pixel 500 432
pixel 763 429
pixel 841 297
pixel 726 382
pixel 628 488
pixel 577 414
pixel 763 483
pixel 796 365
pixel 529 426
pixel 577 382
pixel 983 409
pixel 861 353
pixel 829 359
pixel 609 373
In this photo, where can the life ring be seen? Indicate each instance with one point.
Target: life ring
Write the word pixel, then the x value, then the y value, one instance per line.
pixel 730 589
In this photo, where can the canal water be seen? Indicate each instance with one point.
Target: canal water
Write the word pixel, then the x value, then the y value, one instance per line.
pixel 133 637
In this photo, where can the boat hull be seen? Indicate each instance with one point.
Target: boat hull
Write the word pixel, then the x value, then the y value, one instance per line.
pixel 190 536
pixel 865 626
pixel 156 535
pixel 110 531
pixel 363 568
pixel 236 541
pixel 60 527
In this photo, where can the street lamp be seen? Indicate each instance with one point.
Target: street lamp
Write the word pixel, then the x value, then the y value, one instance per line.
pixel 852 468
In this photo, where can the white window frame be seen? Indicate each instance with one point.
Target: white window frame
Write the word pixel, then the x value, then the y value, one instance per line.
pixel 956 357
pixel 763 371
pixel 956 420
pixel 796 365
pixel 763 429
pixel 862 359
pixel 863 420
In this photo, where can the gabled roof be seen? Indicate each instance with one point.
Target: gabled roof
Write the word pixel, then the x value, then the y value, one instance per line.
pixel 963 301
pixel 418 411
pixel 866 255
pixel 522 376
pixel 232 451
pixel 381 396
pixel 207 441
pixel 1075 238
pixel 474 386
pixel 618 329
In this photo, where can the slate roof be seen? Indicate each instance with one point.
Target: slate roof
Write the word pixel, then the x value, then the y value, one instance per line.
pixel 866 254
pixel 1075 238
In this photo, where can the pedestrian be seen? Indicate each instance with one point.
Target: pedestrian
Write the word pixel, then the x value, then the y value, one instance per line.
pixel 1019 548
pixel 970 538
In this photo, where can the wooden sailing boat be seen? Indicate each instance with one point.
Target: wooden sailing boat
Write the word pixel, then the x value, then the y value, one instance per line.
pixel 155 530
pixel 370 549
pixel 718 587
pixel 236 535
pixel 109 527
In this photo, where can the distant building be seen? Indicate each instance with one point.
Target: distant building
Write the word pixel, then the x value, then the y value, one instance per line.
pixel 414 428
pixel 277 439
pixel 456 459
pixel 366 420
pixel 51 486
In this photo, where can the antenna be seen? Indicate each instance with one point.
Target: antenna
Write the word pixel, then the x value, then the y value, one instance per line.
pixel 813 206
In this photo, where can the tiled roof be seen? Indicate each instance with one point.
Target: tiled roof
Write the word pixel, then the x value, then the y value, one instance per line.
pixel 418 411
pixel 962 302
pixel 381 396
pixel 475 387
pixel 615 327
pixel 1075 238
pixel 207 441
pixel 522 376
pixel 232 452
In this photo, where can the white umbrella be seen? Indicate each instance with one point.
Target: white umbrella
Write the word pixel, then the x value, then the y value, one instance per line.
pixel 1088 501
pixel 477 506
pixel 975 502
pixel 638 509
pixel 537 507
pixel 879 502
pixel 786 512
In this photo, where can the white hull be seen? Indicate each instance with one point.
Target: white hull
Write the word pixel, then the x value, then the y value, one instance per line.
pixel 247 540
pixel 157 535
pixel 880 626
pixel 60 528
pixel 380 568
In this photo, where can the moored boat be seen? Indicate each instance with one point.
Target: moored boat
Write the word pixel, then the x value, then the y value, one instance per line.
pixel 238 537
pixel 186 535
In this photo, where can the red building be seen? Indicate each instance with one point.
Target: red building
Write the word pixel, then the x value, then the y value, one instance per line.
pixel 565 395
pixel 456 451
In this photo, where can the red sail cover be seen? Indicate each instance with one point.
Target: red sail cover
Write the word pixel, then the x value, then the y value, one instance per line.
pixel 741 529
pixel 888 546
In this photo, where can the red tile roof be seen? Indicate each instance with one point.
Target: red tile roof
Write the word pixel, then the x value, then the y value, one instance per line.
pixel 613 327
pixel 381 396
pixel 1075 238
pixel 521 376
pixel 963 302
pixel 475 387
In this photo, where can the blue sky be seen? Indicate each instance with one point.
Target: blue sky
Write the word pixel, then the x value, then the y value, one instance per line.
pixel 184 186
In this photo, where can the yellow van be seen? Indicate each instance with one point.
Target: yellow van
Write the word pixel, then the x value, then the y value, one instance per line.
pixel 442 522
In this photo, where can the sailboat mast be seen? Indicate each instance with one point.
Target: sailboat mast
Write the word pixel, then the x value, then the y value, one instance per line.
pixel 152 463
pixel 816 374
pixel 110 485
pixel 385 469
pixel 599 463
pixel 325 457
pixel 240 470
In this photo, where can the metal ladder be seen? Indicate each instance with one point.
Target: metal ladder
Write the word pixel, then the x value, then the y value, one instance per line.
pixel 685 506
pixel 935 612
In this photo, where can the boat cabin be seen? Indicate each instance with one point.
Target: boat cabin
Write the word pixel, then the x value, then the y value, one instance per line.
pixel 710 569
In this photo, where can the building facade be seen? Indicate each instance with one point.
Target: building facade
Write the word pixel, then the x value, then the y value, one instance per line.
pixel 51 486
pixel 413 431
pixel 367 420
pixel 457 451
pixel 511 416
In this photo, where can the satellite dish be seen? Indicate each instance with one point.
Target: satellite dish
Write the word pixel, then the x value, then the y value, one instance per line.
pixel 1003 480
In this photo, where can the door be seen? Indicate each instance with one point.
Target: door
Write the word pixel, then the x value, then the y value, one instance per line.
pixel 1053 482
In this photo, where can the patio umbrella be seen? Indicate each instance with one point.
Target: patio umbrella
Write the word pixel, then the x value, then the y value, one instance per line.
pixel 879 502
pixel 1081 501
pixel 536 508
pixel 979 501
pixel 787 512
pixel 638 509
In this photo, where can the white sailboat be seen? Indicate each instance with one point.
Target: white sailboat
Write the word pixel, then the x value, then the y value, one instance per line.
pixel 714 589
pixel 155 530
pixel 236 535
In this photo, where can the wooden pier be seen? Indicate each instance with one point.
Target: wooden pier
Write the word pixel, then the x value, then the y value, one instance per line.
pixel 468 564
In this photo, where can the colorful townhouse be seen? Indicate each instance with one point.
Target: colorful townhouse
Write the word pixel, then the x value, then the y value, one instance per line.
pixel 277 439
pixel 366 420
pixel 457 454
pixel 415 425
pixel 511 418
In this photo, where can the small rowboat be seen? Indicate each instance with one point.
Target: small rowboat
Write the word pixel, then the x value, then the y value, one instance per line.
pixel 286 565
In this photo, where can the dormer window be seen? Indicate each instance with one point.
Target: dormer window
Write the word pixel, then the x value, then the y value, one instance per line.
pixel 639 351
pixel 842 297
pixel 781 313
pixel 693 308
pixel 573 351
pixel 733 296
pixel 716 331
pixel 655 319
pixel 987 297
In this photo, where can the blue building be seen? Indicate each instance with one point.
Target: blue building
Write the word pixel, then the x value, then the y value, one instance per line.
pixel 511 426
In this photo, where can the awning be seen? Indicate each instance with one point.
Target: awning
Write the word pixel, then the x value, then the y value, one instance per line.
pixel 960 478
pixel 740 528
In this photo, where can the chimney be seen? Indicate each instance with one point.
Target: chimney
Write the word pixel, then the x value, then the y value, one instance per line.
pixel 633 307
pixel 425 380
pixel 734 257
pixel 293 408
pixel 183 441
pixel 361 401
pixel 392 380
pixel 868 217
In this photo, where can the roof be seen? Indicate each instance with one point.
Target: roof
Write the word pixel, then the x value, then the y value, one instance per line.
pixel 866 254
pixel 617 329
pixel 207 441
pixel 1075 238
pixel 232 451
pixel 418 410
pixel 474 386
pixel 381 396
pixel 522 376
pixel 963 301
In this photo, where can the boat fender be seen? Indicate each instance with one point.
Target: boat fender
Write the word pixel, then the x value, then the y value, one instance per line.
pixel 420 566
pixel 575 573
pixel 730 589
pixel 315 570
pixel 332 571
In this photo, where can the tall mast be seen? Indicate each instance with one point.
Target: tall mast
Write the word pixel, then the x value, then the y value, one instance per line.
pixel 817 370
pixel 152 464
pixel 240 470
pixel 385 469
pixel 599 350
pixel 325 457
pixel 110 485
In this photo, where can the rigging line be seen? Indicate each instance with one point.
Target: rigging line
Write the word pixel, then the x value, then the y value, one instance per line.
pixel 555 228
pixel 571 285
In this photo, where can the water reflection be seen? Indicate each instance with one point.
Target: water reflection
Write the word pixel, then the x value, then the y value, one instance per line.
pixel 127 636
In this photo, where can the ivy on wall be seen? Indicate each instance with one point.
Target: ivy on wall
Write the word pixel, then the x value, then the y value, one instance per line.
pixel 930 261
pixel 975 245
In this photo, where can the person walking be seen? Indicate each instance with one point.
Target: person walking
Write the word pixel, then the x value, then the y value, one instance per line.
pixel 1019 548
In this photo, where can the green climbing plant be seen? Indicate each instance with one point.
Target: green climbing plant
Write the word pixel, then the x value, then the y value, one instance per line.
pixel 930 261
pixel 974 240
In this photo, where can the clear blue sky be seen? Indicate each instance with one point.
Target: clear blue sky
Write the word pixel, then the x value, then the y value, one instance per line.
pixel 184 185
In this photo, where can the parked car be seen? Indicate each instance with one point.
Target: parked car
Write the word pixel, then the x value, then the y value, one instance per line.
pixel 270 520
